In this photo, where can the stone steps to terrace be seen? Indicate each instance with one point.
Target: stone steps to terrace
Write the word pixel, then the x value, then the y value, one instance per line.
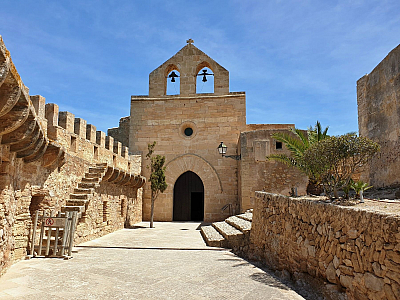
pixel 232 233
pixel 79 199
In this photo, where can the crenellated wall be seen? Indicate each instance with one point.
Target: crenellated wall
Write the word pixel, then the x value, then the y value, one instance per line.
pixel 354 248
pixel 52 160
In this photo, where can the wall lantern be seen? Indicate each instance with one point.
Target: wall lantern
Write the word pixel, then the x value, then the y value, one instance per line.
pixel 222 148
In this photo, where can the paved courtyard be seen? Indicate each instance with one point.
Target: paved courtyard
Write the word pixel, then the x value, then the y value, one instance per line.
pixel 170 261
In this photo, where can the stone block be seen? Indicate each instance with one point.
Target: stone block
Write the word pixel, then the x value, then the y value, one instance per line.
pixel 80 127
pixel 39 103
pixel 51 114
pixel 101 138
pixel 66 120
pixel 91 133
pixel 109 144
pixel 117 147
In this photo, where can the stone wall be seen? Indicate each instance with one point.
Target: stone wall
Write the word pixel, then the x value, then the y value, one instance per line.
pixel 121 133
pixel 257 173
pixel 379 118
pixel 188 62
pixel 353 248
pixel 213 119
pixel 44 155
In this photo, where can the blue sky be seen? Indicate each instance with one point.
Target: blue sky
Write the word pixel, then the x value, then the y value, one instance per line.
pixel 297 61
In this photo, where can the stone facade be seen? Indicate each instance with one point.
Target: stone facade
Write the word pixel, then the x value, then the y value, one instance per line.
pixel 46 159
pixel 356 249
pixel 257 173
pixel 211 118
pixel 379 118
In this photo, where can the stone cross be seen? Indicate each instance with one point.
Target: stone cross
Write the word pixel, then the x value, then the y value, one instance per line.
pixel 190 41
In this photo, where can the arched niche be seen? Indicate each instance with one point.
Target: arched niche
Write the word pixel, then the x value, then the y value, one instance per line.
pixel 209 85
pixel 172 87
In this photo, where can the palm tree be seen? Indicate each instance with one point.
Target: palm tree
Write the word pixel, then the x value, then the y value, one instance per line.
pixel 297 143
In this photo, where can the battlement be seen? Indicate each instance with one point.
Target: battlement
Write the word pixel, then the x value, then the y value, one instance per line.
pixel 81 139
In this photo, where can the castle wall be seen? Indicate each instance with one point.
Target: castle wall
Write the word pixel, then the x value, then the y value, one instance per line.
pixel 213 119
pixel 378 95
pixel 257 173
pixel 26 187
pixel 44 155
pixel 121 133
pixel 354 248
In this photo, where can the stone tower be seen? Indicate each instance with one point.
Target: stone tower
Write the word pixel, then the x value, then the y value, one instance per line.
pixel 188 128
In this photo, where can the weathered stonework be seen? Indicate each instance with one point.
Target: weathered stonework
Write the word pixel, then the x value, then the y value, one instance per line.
pixel 212 118
pixel 379 118
pixel 257 173
pixel 45 155
pixel 121 133
pixel 356 249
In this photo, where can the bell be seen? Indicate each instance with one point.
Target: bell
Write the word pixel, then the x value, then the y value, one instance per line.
pixel 172 76
pixel 204 78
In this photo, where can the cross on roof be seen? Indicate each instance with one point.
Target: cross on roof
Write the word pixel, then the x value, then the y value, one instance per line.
pixel 190 41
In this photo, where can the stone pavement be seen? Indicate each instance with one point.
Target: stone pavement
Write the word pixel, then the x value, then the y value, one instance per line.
pixel 170 261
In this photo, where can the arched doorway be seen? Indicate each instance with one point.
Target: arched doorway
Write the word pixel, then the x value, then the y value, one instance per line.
pixel 188 198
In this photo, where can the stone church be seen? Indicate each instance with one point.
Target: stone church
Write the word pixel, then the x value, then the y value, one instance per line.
pixel 188 128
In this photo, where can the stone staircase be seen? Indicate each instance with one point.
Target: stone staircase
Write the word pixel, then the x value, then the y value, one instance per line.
pixel 80 198
pixel 232 233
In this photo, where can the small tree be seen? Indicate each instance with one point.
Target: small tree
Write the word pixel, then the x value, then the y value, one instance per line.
pixel 335 159
pixel 157 177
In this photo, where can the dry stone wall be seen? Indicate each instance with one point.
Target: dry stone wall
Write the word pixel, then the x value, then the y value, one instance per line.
pixel 356 249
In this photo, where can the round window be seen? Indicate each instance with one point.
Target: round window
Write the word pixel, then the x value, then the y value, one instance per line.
pixel 188 131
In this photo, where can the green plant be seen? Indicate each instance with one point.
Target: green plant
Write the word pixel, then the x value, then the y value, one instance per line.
pixel 157 177
pixel 335 159
pixel 346 188
pixel 297 142
pixel 360 186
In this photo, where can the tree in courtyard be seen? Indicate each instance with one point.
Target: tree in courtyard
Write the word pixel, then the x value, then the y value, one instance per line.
pixel 334 160
pixel 297 143
pixel 157 177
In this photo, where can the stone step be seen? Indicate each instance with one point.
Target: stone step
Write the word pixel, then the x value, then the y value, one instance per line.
pixel 104 165
pixel 77 202
pixel 82 191
pixel 248 216
pixel 79 196
pixel 212 237
pixel 79 209
pixel 97 169
pixel 239 223
pixel 93 175
pixel 87 185
pixel 233 236
pixel 89 180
